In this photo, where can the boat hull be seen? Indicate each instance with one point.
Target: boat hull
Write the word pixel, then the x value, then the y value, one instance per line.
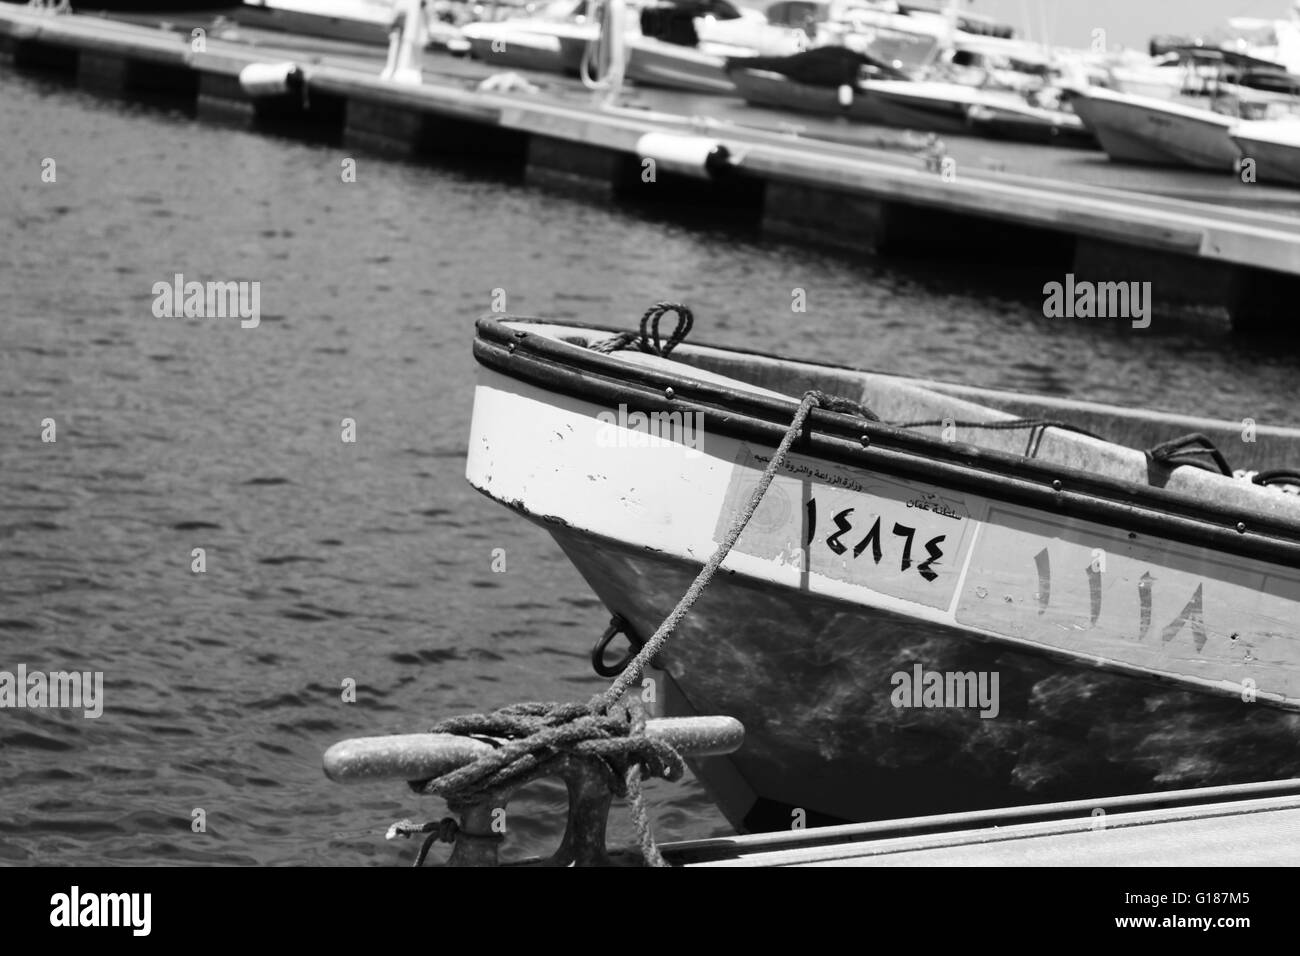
pixel 672 66
pixel 1145 130
pixel 897 103
pixel 774 91
pixel 811 681
pixel 1020 127
pixel 358 21
pixel 544 48
pixel 1276 161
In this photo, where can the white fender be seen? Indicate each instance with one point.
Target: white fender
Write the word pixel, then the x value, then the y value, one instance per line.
pixel 694 156
pixel 270 79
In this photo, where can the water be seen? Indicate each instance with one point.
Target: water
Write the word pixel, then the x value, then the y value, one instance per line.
pixel 370 561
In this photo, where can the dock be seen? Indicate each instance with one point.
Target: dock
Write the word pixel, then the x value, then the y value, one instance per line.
pixel 1251 825
pixel 1207 243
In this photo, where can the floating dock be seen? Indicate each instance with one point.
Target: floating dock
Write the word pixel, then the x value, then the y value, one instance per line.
pixel 1204 242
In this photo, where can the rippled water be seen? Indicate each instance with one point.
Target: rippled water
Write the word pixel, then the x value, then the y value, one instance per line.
pixel 370 561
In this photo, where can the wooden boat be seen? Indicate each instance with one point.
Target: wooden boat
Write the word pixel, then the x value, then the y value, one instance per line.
pixel 1138 617
pixel 1274 145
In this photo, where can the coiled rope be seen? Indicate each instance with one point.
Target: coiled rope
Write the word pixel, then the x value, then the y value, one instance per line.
pixel 647 338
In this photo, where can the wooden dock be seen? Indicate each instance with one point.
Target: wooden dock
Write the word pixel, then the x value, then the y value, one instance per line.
pixel 1205 242
pixel 1251 825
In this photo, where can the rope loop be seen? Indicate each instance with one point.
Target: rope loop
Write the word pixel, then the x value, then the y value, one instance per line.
pixel 685 320
pixel 1184 451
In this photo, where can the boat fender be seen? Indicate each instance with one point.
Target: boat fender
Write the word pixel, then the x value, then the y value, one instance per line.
pixel 695 156
pixel 270 79
pixel 845 95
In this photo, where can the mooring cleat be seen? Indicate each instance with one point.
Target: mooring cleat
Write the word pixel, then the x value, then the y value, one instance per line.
pixel 418 758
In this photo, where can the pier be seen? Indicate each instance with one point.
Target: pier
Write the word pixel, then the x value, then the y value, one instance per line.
pixel 1256 822
pixel 1207 243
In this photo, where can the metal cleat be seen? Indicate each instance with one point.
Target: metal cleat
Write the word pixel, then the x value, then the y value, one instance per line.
pixel 420 757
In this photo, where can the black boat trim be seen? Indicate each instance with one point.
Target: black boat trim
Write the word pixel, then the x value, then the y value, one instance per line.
pixel 1126 506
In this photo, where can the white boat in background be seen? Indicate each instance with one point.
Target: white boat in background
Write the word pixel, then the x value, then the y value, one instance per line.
pixel 553 43
pixel 1153 130
pixel 1274 145
pixel 362 21
pixel 674 66
pixel 665 47
pixel 943 107
pixel 692 54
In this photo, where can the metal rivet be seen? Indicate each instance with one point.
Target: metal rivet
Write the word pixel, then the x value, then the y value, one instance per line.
pixel 865 440
pixel 1056 484
pixel 1241 527
pixel 668 392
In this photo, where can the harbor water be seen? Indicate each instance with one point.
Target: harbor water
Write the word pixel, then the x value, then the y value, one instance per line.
pixel 328 562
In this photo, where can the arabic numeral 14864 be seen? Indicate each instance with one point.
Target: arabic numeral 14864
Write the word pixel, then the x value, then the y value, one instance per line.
pixel 844 527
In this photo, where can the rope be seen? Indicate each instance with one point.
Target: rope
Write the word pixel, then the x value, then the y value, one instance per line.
pixel 1278 476
pixel 444 830
pixel 1183 451
pixel 1011 425
pixel 660 637
pixel 647 338
pixel 609 728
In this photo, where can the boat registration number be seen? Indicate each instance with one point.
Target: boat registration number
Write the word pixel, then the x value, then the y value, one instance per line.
pixel 1160 605
pixel 900 538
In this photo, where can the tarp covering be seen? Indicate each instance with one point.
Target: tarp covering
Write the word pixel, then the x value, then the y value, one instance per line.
pixel 831 66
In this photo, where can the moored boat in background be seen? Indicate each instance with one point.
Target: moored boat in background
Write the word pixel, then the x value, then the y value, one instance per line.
pixel 361 21
pixel 1157 131
pixel 1274 145
pixel 1134 618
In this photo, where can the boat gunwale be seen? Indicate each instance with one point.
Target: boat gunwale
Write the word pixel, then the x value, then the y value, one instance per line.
pixel 556 365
